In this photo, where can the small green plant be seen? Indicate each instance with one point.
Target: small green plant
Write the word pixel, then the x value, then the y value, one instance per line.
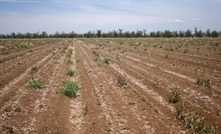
pixel 70 88
pixel 77 60
pixel 56 62
pixel 36 84
pixel 203 81
pixel 166 56
pixel 70 61
pixel 180 111
pixel 208 83
pixel 95 58
pixel 106 60
pixel 174 96
pixel 70 51
pixel 121 82
pixel 70 72
pixel 117 57
pixel 66 46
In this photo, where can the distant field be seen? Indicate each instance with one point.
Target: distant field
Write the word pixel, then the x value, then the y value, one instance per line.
pixel 136 85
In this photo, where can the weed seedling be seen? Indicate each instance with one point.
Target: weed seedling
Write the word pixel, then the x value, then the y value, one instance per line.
pixel 70 61
pixel 95 59
pixel 70 72
pixel 106 60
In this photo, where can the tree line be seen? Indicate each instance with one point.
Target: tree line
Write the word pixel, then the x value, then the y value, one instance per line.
pixel 117 34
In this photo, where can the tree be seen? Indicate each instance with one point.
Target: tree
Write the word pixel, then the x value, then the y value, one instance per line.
pixel 181 34
pixel 139 33
pixel 127 34
pixel 152 34
pixel 167 33
pixel 145 32
pixel 115 34
pixel 208 33
pixel 99 33
pixel 215 33
pixel 120 32
pixel 188 33
pixel 44 34
pixel 175 34
pixel 196 32
pixel 200 33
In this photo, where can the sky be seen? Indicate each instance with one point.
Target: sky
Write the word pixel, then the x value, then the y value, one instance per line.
pixel 81 16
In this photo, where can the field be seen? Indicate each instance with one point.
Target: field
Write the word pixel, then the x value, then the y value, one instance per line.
pixel 137 85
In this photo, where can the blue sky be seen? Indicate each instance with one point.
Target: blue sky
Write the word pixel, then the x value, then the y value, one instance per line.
pixel 81 16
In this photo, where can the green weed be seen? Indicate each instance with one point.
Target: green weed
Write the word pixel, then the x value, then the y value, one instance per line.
pixel 36 84
pixel 106 60
pixel 70 72
pixel 70 88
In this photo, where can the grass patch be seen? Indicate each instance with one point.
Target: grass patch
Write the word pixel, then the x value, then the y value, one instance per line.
pixel 70 88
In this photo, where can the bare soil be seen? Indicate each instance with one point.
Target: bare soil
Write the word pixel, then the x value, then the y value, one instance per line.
pixel 149 69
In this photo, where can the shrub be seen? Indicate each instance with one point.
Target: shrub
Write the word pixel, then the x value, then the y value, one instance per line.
pixel 70 89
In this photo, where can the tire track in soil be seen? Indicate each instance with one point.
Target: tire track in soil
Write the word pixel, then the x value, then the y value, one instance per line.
pixel 149 122
pixel 89 117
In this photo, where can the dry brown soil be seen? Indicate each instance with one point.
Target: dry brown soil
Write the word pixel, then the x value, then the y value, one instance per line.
pixel 149 68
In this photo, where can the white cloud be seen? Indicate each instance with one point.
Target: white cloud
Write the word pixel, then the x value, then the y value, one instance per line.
pixel 176 20
pixel 99 23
